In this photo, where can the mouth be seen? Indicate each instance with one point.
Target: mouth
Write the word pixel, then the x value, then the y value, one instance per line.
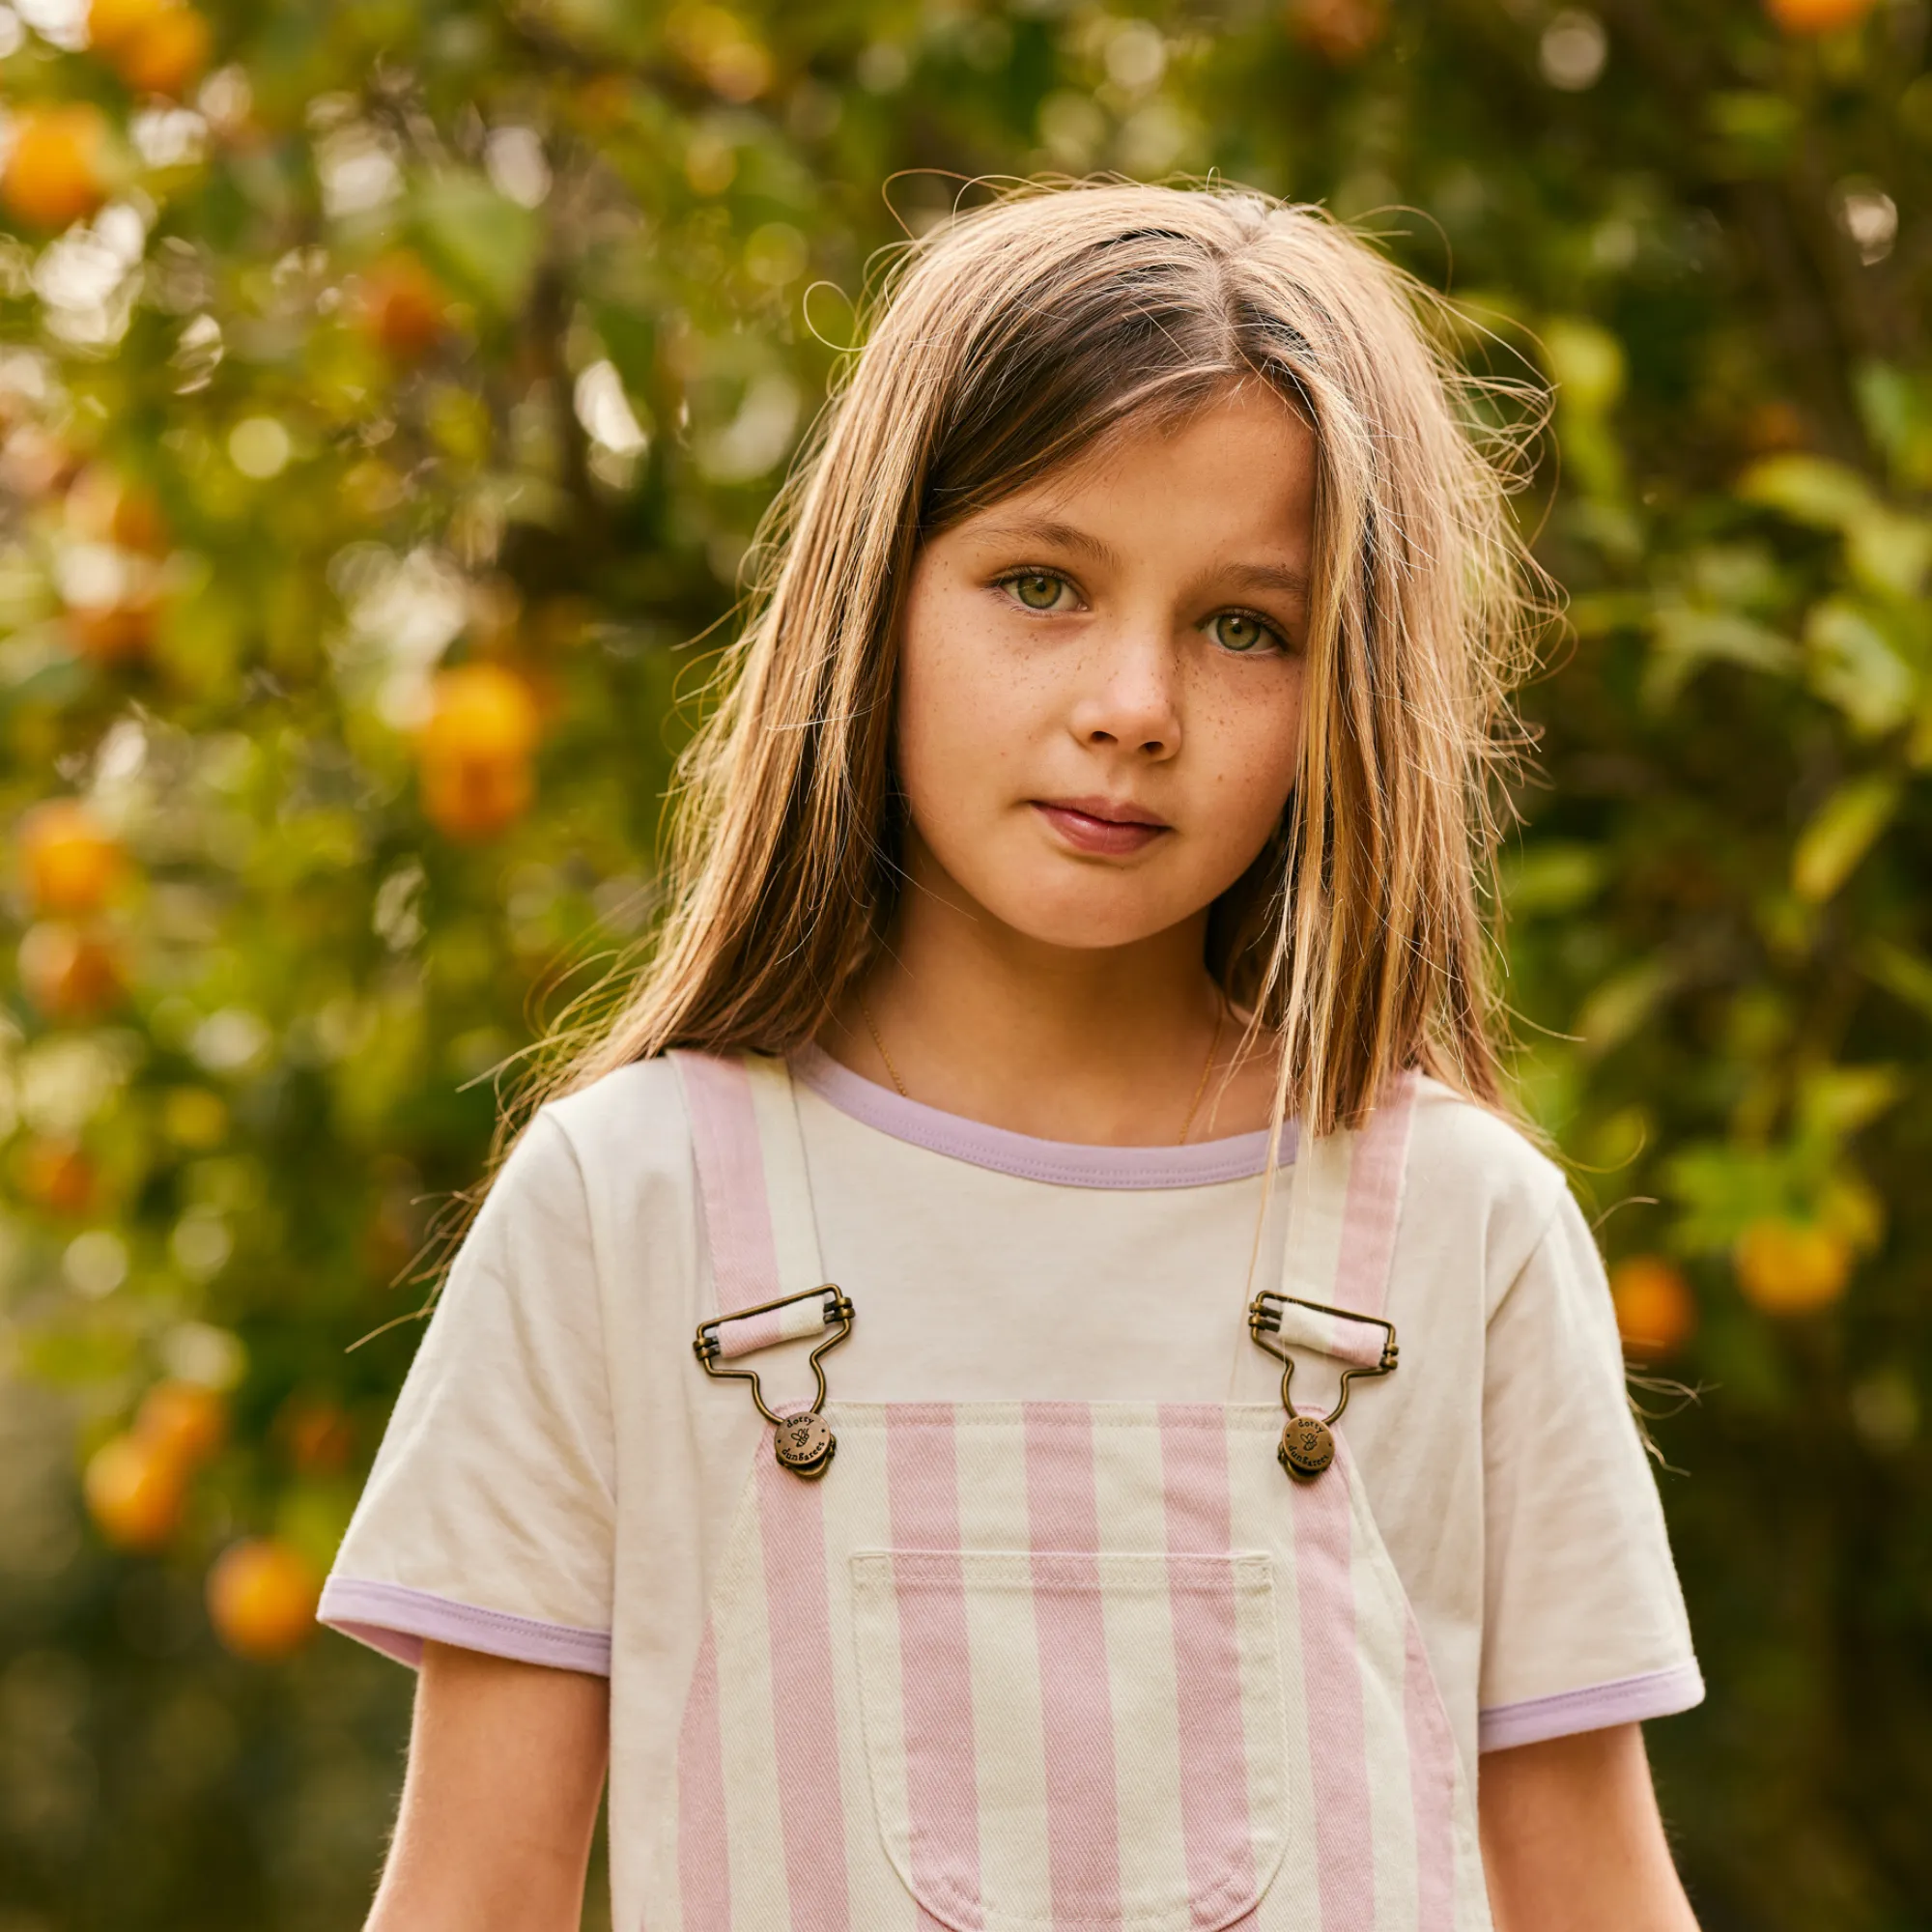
pixel 1109 827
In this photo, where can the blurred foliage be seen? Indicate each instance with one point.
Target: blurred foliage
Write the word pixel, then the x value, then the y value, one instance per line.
pixel 387 395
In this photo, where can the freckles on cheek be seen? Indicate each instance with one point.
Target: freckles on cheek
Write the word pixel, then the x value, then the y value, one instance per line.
pixel 949 736
pixel 962 701
pixel 1255 752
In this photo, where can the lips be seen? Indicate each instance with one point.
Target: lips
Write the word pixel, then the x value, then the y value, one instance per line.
pixel 1106 827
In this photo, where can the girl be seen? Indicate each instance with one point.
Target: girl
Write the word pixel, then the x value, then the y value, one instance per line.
pixel 1072 1015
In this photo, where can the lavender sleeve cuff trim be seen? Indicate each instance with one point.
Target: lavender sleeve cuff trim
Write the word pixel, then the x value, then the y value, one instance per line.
pixel 395 1620
pixel 1626 1700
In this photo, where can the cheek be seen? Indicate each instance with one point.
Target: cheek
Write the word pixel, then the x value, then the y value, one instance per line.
pixel 1257 751
pixel 961 715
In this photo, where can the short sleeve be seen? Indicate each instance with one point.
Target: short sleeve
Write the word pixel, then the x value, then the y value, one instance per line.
pixel 488 1520
pixel 1585 1622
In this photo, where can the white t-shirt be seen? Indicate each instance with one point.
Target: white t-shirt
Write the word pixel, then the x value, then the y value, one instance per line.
pixel 559 1474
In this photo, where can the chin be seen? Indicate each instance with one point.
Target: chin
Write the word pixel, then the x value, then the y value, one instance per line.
pixel 1087 922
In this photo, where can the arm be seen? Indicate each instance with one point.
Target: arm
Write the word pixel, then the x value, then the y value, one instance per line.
pixel 506 1767
pixel 1572 1839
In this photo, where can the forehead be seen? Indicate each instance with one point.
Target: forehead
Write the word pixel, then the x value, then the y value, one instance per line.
pixel 1239 468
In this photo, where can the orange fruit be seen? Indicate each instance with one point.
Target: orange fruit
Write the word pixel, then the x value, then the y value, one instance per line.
pixel 317 1433
pixel 166 54
pixel 1341 30
pixel 183 1420
pixel 1817 17
pixel 70 859
pixel 112 23
pixel 402 306
pixel 105 507
pixel 479 712
pixel 1655 1310
pixel 113 634
pixel 1791 1267
pixel 67 972
pixel 477 798
pixel 475 749
pixel 134 1493
pixel 58 1175
pixel 262 1597
pixel 56 173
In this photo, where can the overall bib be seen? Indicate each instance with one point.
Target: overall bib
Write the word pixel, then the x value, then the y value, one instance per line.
pixel 1055 1666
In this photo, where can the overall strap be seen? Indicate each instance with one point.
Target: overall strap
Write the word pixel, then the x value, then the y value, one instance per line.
pixel 1344 1205
pixel 752 1177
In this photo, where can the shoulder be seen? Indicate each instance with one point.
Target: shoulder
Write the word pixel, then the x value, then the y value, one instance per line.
pixel 600 1153
pixel 631 1121
pixel 1472 1165
pixel 1456 1143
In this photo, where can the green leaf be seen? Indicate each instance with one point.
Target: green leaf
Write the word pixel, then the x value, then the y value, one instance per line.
pixel 1853 665
pixel 1810 490
pixel 1760 128
pixel 1553 877
pixel 1841 833
pixel 481 241
pixel 1838 1100
pixel 1900 971
pixel 1622 1004
pixel 1687 636
pixel 1889 549
pixel 1723 1188
pixel 1586 362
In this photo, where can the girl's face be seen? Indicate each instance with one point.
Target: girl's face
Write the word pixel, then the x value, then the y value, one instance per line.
pixel 1100 679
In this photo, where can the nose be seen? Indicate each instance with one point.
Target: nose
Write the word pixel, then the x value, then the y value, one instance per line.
pixel 1128 697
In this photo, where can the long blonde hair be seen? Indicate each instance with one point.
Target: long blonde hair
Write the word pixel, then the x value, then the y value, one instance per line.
pixel 1009 339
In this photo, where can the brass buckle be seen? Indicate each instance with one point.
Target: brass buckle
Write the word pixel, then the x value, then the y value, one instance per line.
pixel 803 1443
pixel 1308 1441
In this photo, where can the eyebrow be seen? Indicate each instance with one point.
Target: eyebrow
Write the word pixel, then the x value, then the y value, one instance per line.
pixel 1049 530
pixel 1269 577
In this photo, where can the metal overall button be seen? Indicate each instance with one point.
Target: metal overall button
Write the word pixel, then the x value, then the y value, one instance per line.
pixel 1307 1445
pixel 803 1443
pixel 1308 1441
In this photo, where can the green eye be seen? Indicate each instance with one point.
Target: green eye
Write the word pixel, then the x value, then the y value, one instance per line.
pixel 1037 590
pixel 1236 631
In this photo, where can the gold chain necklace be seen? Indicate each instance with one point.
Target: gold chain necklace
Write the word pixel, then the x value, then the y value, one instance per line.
pixel 1193 1106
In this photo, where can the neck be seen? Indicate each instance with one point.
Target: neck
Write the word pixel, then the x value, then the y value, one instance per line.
pixel 1103 1046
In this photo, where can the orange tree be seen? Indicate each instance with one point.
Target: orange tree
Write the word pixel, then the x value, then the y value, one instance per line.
pixel 387 396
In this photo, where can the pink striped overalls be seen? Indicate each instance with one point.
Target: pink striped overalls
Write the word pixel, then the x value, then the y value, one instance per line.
pixel 1054 1666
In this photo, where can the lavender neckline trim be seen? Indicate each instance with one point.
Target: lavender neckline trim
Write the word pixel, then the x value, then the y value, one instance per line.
pixel 1064 1163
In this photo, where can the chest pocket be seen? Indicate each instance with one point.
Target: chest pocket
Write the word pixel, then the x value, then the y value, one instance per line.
pixel 1058 1738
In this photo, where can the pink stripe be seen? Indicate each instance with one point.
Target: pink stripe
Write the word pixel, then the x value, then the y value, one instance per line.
pixel 703 1828
pixel 1083 1831
pixel 805 1716
pixel 753 1332
pixel 1207 1663
pixel 1432 1777
pixel 942 1786
pixel 1374 1204
pixel 1359 1343
pixel 1332 1689
pixel 731 1179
